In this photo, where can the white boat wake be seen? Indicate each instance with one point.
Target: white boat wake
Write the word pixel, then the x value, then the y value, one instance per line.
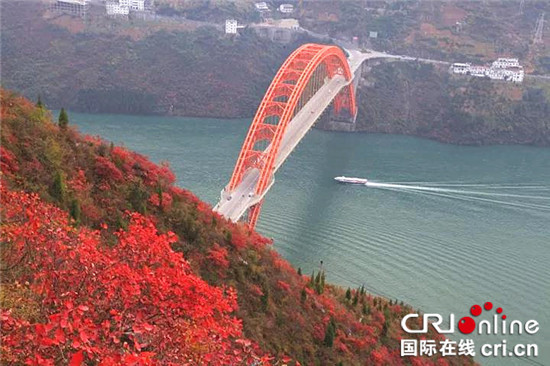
pixel 529 200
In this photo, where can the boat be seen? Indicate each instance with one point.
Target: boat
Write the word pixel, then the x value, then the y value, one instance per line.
pixel 349 180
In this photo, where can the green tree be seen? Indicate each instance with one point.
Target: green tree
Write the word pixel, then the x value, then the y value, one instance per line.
pixel 228 237
pixel 365 310
pixel 320 282
pixel 356 297
pixel 348 294
pixel 299 271
pixel 137 197
pixel 303 296
pixel 159 193
pixel 58 187
pixel 63 119
pixel 330 332
pixel 75 210
pixel 39 103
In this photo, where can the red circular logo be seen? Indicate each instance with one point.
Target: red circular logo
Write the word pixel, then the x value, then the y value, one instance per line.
pixel 467 325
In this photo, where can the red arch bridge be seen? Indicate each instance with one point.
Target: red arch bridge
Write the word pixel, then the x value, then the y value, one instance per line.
pixel 313 77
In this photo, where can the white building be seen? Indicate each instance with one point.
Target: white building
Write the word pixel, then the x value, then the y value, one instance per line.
pixel 514 74
pixel 138 5
pixel 124 7
pixel 478 71
pixel 261 6
pixel 114 8
pixel 505 69
pixel 76 7
pixel 503 63
pixel 231 26
pixel 459 68
pixel 286 8
pixel 289 23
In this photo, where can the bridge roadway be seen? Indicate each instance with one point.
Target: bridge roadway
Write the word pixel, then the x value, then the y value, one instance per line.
pixel 233 205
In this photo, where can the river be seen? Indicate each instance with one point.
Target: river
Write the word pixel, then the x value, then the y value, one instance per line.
pixel 439 250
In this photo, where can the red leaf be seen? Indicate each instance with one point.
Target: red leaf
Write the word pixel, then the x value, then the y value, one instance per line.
pixel 77 359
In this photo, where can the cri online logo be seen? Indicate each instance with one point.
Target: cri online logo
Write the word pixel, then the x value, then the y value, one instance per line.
pixel 467 324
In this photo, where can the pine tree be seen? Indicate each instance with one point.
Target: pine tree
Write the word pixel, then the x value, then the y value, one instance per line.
pixel 39 103
pixel 63 119
pixel 303 296
pixel 58 188
pixel 348 294
pixel 330 332
pixel 384 331
pixel 366 309
pixel 312 280
pixel 299 271
pixel 356 297
pixel 75 211
pixel 320 282
pixel 159 193
pixel 318 278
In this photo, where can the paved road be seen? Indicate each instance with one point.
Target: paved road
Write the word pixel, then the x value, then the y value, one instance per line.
pixel 542 77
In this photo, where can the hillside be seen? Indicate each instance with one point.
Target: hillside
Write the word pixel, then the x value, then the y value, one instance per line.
pixel 89 268
pixel 425 100
pixel 181 67
pixel 137 67
pixel 455 30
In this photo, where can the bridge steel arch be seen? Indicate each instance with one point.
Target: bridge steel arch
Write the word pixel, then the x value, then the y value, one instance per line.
pixel 305 70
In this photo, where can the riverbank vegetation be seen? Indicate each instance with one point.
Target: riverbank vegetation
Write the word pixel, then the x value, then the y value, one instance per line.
pixel 426 100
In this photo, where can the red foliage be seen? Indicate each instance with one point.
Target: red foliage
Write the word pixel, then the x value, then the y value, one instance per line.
pixel 79 182
pixel 134 302
pixel 8 162
pixel 107 170
pixel 256 290
pixel 93 140
pixel 218 255
pixel 239 239
pixel 123 158
pixel 380 356
pixel 259 240
pixel 166 200
pixel 283 286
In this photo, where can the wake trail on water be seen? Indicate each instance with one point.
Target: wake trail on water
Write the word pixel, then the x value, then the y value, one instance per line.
pixel 526 201
pixel 518 186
